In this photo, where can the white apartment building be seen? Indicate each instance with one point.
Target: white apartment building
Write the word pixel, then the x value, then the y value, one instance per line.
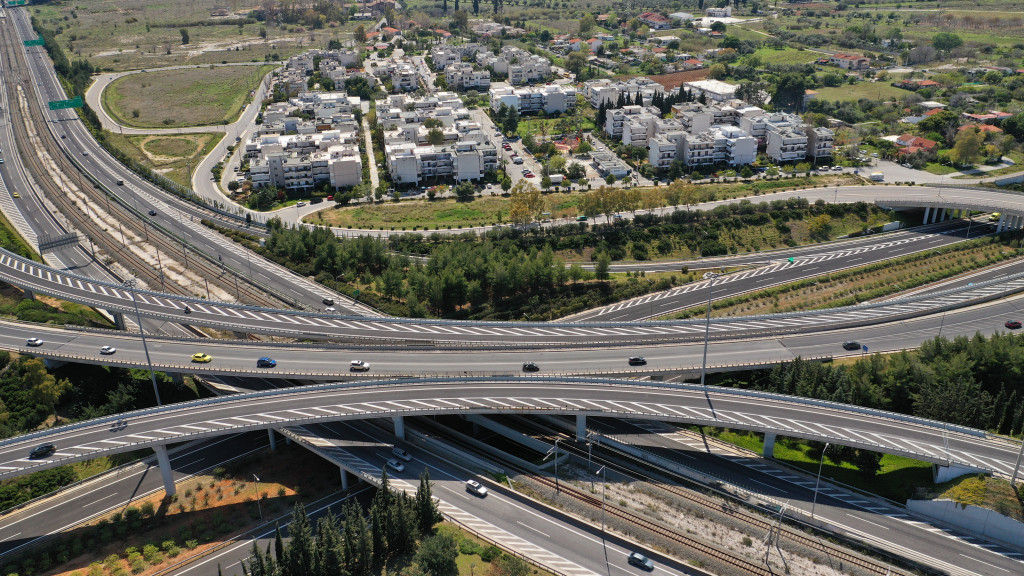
pixel 616 119
pixel 520 66
pixel 608 91
pixel 725 12
pixel 638 128
pixel 340 165
pixel 787 144
pixel 549 98
pixel 410 163
pixel 444 55
pixel 462 76
pixel 608 163
pixel 820 142
pixel 400 109
pixel 715 90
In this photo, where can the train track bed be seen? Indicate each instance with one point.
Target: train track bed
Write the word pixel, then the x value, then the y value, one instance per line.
pixel 709 532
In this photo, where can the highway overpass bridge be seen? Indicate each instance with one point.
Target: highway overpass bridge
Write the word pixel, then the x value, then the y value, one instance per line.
pixel 948 446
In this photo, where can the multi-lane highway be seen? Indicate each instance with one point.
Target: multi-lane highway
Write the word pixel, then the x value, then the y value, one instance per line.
pixel 789 416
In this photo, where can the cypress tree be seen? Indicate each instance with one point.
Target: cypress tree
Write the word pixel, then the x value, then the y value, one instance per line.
pixel 426 506
pixel 278 544
pixel 476 7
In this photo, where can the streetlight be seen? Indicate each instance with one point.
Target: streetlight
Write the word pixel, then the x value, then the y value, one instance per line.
pixel 555 452
pixel 710 277
pixel 258 505
pixel 818 482
pixel 130 285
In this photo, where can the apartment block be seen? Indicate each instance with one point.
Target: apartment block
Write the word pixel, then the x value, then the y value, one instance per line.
pixel 787 144
pixel 340 166
pixel 520 66
pixel 820 142
pixel 401 109
pixel 410 163
pixel 608 91
pixel 608 163
pixel 444 55
pixel 549 98
pixel 462 76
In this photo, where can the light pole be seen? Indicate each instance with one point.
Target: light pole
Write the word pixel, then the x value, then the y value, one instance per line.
pixel 130 285
pixel 555 452
pixel 818 482
pixel 258 505
pixel 710 277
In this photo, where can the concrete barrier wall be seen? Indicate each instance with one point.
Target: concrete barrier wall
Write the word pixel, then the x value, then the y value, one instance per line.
pixel 1009 180
pixel 975 519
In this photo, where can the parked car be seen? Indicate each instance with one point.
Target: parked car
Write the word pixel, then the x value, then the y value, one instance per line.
pixel 108 350
pixel 640 561
pixel 474 487
pixel 358 366
pixel 1013 324
pixel 395 465
pixel 530 175
pixel 401 453
pixel 266 363
pixel 517 160
pixel 42 451
pixel 530 367
pixel 851 345
pixel 34 342
pixel 637 361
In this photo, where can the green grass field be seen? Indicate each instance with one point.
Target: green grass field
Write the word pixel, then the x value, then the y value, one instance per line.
pixel 176 98
pixel 786 55
pixel 171 156
pixel 871 90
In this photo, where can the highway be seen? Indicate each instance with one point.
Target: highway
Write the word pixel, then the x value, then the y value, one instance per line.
pixel 858 427
pixel 872 520
pixel 73 505
pixel 175 217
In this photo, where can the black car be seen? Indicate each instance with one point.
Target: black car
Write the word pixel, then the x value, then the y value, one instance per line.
pixel 42 451
pixel 637 361
pixel 152 212
pixel 640 561
pixel 1012 324
pixel 328 301
pixel 851 345
pixel 530 367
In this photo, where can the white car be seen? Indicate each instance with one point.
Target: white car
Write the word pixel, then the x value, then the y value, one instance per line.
pixel 358 366
pixel 400 453
pixel 395 465
pixel 34 342
pixel 108 350
pixel 475 487
pixel 330 309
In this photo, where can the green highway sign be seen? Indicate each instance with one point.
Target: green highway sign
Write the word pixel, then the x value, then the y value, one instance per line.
pixel 17 2
pixel 75 102
pixel 36 42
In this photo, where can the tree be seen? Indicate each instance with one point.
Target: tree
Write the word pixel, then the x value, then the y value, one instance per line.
pixel 575 62
pixel 820 226
pixel 967 147
pixel 575 171
pixel 506 565
pixel 444 6
pixel 465 191
pixel 525 203
pixel 601 267
pixel 718 71
pixel 587 24
pixel 602 116
pixel 360 34
pixel 184 36
pixel 426 507
pixel 511 121
pixel 435 136
pixel 437 554
pixel 718 26
pixel 44 386
pixel 868 463
pixel 456 5
pixel 789 91
pixel 460 20
pixel 610 179
pixel 476 7
pixel 945 41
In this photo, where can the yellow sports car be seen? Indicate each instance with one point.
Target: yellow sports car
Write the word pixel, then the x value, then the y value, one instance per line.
pixel 202 357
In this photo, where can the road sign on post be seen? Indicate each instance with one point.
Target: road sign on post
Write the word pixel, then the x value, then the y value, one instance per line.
pixel 75 102
pixel 17 2
pixel 36 42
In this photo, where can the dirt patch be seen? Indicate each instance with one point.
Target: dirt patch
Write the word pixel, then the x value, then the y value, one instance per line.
pixel 676 79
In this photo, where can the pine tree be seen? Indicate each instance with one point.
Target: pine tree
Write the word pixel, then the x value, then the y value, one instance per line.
pixel 476 7
pixel 278 544
pixel 298 561
pixel 426 506
pixel 444 6
pixel 456 5
pixel 621 101
pixel 602 115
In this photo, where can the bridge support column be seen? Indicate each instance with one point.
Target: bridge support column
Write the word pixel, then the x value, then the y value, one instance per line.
pixel 1017 221
pixel 166 473
pixel 769 445
pixel 1002 223
pixel 119 321
pixel 399 427
pixel 29 295
pixel 927 215
pixel 945 215
pixel 581 427
pixel 344 479
pixel 273 440
pixel 240 335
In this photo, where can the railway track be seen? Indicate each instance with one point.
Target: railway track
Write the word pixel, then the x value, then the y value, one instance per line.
pixel 739 513
pixel 83 203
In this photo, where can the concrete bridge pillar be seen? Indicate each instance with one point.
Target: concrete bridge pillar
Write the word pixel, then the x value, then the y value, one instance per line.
pixel 581 427
pixel 769 445
pixel 344 479
pixel 942 474
pixel 177 377
pixel 166 473
pixel 119 321
pixel 1002 223
pixel 399 427
pixel 927 215
pixel 273 440
pixel 945 214
pixel 29 295
pixel 1018 220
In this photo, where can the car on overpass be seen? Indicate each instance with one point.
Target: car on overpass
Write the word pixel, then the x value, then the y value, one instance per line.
pixel 637 361
pixel 202 357
pixel 395 465
pixel 358 366
pixel 42 451
pixel 851 345
pixel 1012 324
pixel 266 363
pixel 401 453
pixel 530 367
pixel 108 350
pixel 34 342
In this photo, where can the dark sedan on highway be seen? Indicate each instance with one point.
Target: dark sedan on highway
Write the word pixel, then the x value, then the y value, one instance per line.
pixel 851 345
pixel 266 362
